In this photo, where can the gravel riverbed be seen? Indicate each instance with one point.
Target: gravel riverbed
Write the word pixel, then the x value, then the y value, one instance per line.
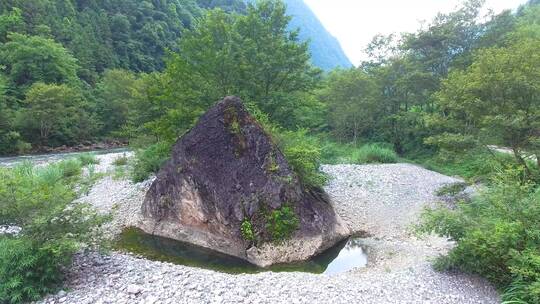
pixel 380 201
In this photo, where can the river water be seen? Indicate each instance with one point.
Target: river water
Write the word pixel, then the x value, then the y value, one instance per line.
pixel 40 159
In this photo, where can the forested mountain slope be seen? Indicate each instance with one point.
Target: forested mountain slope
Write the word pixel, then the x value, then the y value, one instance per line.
pixel 103 34
pixel 325 49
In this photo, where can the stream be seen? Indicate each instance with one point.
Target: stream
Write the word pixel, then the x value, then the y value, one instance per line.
pixel 40 159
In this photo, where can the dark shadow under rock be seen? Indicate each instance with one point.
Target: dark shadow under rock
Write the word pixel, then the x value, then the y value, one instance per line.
pixel 227 187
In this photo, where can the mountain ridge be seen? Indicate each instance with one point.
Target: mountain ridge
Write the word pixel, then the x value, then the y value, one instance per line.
pixel 326 51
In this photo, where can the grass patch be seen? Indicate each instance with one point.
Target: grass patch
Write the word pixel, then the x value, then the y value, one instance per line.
pixel 452 189
pixel 496 236
pixel 148 161
pixel 336 153
pixel 475 166
pixel 376 153
pixel 88 159
pixel 70 168
pixel 39 200
pixel 120 161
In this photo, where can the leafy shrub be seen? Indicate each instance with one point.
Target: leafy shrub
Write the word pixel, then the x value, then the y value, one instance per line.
pixel 69 168
pixel 477 165
pixel 88 159
pixel 25 267
pixel 247 230
pixel 497 235
pixel 303 154
pixel 39 201
pixel 281 223
pixel 149 161
pixel 376 153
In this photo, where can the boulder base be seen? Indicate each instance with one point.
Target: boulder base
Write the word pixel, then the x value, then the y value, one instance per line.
pixel 225 174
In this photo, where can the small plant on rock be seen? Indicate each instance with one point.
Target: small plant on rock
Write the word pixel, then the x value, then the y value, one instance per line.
pixel 247 230
pixel 281 223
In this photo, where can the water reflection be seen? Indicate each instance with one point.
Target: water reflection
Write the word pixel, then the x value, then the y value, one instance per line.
pixel 352 255
pixel 344 256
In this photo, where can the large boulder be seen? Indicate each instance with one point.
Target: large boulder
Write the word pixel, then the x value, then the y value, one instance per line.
pixel 227 187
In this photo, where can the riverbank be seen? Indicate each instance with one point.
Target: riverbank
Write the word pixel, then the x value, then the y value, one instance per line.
pixel 379 201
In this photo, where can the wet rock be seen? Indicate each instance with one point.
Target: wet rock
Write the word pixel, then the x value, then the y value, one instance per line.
pixel 227 171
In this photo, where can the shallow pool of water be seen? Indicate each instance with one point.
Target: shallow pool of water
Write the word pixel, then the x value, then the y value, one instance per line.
pixel 343 257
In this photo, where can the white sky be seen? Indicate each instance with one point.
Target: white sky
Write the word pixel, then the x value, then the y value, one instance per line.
pixel 355 22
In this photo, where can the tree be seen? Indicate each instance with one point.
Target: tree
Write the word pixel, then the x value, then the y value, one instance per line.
pixel 253 56
pixel 352 97
pixel 495 100
pixel 56 114
pixel 276 63
pixel 449 37
pixel 10 139
pixel 115 93
pixel 29 59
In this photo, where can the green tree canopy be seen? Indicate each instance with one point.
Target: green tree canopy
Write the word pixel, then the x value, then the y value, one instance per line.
pixel 253 56
pixel 497 99
pixel 352 97
pixel 115 93
pixel 29 59
pixel 56 114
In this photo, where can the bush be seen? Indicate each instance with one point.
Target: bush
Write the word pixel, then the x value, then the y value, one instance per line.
pixel 39 201
pixel 149 161
pixel 88 159
pixel 376 153
pixel 497 236
pixel 303 153
pixel 120 161
pixel 69 168
pixel 281 223
pixel 27 271
pixel 247 230
pixel 477 165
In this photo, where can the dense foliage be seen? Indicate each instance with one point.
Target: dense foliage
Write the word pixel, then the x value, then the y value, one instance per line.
pixel 75 44
pixel 497 236
pixel 111 53
pixel 38 200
